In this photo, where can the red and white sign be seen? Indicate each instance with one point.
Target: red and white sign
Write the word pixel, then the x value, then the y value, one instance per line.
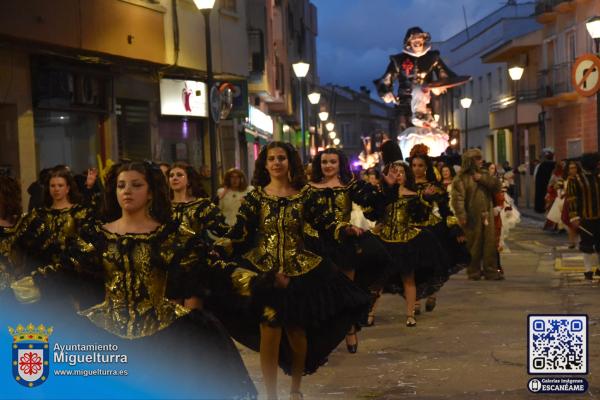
pixel 184 98
pixel 586 75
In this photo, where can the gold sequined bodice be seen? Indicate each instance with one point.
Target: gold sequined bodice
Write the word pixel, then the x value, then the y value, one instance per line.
pixel 200 215
pixel 44 231
pixel 433 217
pixel 338 201
pixel 280 235
pixel 397 225
pixel 135 282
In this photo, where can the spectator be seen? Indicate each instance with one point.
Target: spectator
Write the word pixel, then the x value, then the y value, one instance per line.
pixel 541 176
pixel 473 192
pixel 231 195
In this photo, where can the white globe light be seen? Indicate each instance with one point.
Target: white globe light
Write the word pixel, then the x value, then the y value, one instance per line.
pixel 323 116
pixel 593 27
pixel 330 126
pixel 314 97
pixel 465 102
pixel 204 4
pixel 332 134
pixel 336 141
pixel 301 69
pixel 516 72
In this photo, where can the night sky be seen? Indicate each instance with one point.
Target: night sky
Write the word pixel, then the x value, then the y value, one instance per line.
pixel 356 37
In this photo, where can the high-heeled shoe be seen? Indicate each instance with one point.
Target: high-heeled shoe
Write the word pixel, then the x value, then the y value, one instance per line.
pixel 370 320
pixel 352 348
pixel 430 304
pixel 411 321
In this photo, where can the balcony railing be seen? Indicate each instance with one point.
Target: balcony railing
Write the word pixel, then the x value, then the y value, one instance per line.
pixel 555 80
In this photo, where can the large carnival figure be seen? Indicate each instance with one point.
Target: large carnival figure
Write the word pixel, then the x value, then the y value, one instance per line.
pixel 420 72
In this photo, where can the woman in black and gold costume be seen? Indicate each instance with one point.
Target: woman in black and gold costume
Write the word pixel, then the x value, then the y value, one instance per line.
pixel 438 218
pixel 295 291
pixel 130 256
pixel 417 255
pixel 195 211
pixel 44 231
pixel 362 258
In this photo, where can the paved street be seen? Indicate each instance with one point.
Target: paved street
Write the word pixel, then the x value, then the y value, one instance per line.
pixel 473 345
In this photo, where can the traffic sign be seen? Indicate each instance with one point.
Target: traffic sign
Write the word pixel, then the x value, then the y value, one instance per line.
pixel 586 75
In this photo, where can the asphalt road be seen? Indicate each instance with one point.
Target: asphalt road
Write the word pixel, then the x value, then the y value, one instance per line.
pixel 474 344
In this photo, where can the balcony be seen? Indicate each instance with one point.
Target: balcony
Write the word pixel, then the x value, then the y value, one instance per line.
pixel 508 101
pixel 554 84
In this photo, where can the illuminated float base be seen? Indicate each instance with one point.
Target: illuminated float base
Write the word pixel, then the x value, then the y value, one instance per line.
pixel 435 139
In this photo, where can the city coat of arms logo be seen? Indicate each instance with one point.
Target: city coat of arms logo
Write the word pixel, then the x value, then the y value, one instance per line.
pixel 30 354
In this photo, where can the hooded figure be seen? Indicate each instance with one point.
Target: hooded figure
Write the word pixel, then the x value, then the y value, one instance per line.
pixel 473 192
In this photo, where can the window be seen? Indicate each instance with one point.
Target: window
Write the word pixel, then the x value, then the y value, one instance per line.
pixel 489 85
pixel 480 82
pixel 471 89
pixel 229 5
pixel 570 43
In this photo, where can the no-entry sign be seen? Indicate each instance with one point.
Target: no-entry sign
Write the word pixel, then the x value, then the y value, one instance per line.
pixel 586 75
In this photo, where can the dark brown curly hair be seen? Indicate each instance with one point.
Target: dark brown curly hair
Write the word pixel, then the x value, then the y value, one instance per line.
pixel 194 186
pixel 238 172
pixel 296 171
pixel 10 199
pixel 160 207
pixel 345 172
pixel 61 171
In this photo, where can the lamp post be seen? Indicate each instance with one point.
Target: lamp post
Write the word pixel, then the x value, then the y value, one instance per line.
pixel 314 99
pixel 465 103
pixel 593 27
pixel 516 73
pixel 300 70
pixel 206 6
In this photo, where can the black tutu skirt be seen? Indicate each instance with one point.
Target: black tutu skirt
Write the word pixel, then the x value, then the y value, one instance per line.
pixel 423 256
pixel 457 254
pixel 195 352
pixel 366 255
pixel 324 302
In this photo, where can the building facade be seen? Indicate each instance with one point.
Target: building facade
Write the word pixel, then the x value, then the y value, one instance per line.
pixel 86 81
pixel 463 54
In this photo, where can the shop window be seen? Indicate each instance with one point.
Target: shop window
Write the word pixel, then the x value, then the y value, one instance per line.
pixel 133 125
pixel 68 138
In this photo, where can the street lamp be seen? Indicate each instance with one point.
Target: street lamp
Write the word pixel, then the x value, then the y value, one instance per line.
pixel 593 27
pixel 516 72
pixel 301 69
pixel 465 103
pixel 314 99
pixel 330 126
pixel 336 141
pixel 332 134
pixel 323 115
pixel 206 6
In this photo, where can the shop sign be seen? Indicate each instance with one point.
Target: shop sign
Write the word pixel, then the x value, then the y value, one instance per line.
pixel 184 98
pixel 260 120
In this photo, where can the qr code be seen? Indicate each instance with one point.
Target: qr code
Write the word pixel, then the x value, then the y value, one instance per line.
pixel 557 344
